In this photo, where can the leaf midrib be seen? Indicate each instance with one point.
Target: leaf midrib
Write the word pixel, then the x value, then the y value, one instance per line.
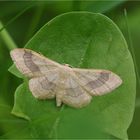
pixel 62 108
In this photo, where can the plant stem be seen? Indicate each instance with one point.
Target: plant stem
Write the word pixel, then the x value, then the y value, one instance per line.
pixel 15 17
pixel 137 103
pixel 5 36
pixel 131 48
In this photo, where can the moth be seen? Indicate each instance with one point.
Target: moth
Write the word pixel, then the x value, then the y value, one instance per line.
pixel 72 86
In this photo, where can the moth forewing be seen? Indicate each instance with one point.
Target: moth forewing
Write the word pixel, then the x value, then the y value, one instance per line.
pixel 98 82
pixel 32 64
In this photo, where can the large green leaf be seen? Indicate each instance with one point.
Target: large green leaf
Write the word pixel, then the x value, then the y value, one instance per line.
pixel 86 40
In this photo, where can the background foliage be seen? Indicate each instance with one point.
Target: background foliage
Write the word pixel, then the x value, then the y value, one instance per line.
pixel 23 19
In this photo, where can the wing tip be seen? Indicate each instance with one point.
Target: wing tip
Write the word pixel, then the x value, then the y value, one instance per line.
pixel 117 79
pixel 14 52
pixel 17 50
pixel 113 83
pixel 17 53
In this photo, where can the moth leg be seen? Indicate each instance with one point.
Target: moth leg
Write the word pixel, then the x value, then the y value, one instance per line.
pixel 58 100
pixel 59 96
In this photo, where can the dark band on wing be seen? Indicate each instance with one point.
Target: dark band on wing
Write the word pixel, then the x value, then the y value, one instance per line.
pixel 29 63
pixel 74 92
pixel 103 78
pixel 46 84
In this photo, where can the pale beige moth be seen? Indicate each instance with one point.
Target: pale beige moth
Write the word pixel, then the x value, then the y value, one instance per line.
pixel 72 86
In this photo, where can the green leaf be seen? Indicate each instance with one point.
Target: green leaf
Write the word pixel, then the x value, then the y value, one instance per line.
pixel 12 69
pixel 11 126
pixel 87 40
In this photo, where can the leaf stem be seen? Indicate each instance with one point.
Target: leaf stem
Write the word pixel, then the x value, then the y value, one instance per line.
pixel 131 47
pixel 137 105
pixel 5 36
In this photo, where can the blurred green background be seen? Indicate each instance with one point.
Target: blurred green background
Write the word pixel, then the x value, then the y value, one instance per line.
pixel 22 19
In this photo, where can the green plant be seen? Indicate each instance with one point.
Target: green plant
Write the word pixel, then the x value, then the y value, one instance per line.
pixel 22 20
pixel 87 40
